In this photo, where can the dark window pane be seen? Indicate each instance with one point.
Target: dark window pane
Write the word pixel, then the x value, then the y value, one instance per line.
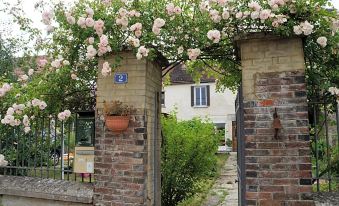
pixel 197 96
pixel 203 96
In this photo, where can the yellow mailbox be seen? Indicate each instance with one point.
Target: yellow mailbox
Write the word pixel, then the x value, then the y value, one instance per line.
pixel 84 160
pixel 84 149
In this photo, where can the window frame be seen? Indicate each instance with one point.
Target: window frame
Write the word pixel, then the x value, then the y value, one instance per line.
pixel 200 96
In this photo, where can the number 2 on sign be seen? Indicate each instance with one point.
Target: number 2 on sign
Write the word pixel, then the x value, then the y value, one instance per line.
pixel 120 78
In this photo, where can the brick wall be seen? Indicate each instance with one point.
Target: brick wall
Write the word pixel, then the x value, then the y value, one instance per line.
pixel 278 170
pixel 127 165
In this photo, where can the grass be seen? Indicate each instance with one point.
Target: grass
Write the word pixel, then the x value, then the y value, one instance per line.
pixel 206 184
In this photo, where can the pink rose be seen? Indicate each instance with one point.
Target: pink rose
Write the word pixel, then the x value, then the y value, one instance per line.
pixel 265 14
pixel 82 22
pixel 89 22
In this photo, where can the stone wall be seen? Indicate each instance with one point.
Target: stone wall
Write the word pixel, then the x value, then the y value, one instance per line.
pixel 127 165
pixel 29 191
pixel 278 170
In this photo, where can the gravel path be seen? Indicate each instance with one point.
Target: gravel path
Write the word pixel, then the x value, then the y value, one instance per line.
pixel 225 191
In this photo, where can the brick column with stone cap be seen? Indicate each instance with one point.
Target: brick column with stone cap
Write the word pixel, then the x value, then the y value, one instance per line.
pixel 127 165
pixel 278 170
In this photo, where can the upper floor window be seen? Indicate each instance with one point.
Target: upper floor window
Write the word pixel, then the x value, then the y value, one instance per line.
pixel 200 96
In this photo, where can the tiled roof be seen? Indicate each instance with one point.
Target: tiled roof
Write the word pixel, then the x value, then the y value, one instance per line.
pixel 179 75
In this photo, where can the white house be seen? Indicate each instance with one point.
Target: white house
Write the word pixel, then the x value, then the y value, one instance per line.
pixel 198 100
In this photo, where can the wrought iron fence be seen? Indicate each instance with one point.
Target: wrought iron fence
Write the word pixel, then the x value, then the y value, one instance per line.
pixel 47 151
pixel 324 134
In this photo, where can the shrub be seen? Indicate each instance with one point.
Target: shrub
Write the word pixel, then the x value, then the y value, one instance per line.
pixel 188 155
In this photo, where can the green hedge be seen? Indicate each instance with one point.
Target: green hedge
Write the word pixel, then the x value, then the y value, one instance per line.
pixel 188 155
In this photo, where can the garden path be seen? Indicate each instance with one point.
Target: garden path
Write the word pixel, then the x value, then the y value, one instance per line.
pixel 225 191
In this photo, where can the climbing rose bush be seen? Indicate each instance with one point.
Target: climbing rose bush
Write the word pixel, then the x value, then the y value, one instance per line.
pixel 198 34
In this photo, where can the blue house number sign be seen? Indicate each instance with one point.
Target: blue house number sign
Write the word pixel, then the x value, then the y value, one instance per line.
pixel 120 78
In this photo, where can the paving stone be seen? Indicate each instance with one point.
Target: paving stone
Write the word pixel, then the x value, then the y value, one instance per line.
pixel 225 183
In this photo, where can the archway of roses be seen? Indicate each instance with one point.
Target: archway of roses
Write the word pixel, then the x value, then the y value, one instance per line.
pixel 197 33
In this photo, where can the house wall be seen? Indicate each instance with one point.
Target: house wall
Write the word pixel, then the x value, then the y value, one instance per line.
pixel 220 110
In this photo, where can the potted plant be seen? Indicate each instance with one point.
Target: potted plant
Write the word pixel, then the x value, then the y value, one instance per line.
pixel 117 116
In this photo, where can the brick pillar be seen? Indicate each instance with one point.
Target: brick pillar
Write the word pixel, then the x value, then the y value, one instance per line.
pixel 278 170
pixel 127 165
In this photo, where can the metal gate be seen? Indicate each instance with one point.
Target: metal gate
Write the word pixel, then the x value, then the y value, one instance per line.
pixel 324 130
pixel 239 109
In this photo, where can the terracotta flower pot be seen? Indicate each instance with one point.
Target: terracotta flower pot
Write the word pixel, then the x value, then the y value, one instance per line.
pixel 117 123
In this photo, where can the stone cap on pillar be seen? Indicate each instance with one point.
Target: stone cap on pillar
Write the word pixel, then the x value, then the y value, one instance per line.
pixel 242 38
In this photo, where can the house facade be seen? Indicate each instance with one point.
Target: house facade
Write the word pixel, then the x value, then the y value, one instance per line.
pixel 191 100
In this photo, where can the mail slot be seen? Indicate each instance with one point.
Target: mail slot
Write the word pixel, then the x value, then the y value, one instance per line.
pixel 84 160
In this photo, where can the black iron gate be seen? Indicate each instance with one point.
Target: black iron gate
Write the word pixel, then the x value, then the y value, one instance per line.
pixel 324 130
pixel 239 109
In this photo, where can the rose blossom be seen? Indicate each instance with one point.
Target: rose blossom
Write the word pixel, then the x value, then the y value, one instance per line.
pixel 27 130
pixel 297 30
pixel 255 15
pixel 265 14
pixel 180 50
pixel 99 24
pixel 106 69
pixel 42 62
pixel 193 53
pixel 89 22
pixel 64 115
pixel 56 63
pixel 133 41
pixel 322 41
pixel 47 17
pixel 71 20
pixel 66 62
pixel 74 76
pixel 91 52
pixel 307 28
pixel 214 15
pixel 239 15
pixel 91 40
pixel 3 162
pixel 225 14
pixel 30 72
pixel 133 13
pixel 159 22
pixel 143 51
pixel 204 6
pixel 89 12
pixel 42 105
pixel 82 22
pixel 254 5
pixel 103 40
pixel 214 35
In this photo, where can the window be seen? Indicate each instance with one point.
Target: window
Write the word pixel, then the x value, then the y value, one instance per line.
pixel 200 96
